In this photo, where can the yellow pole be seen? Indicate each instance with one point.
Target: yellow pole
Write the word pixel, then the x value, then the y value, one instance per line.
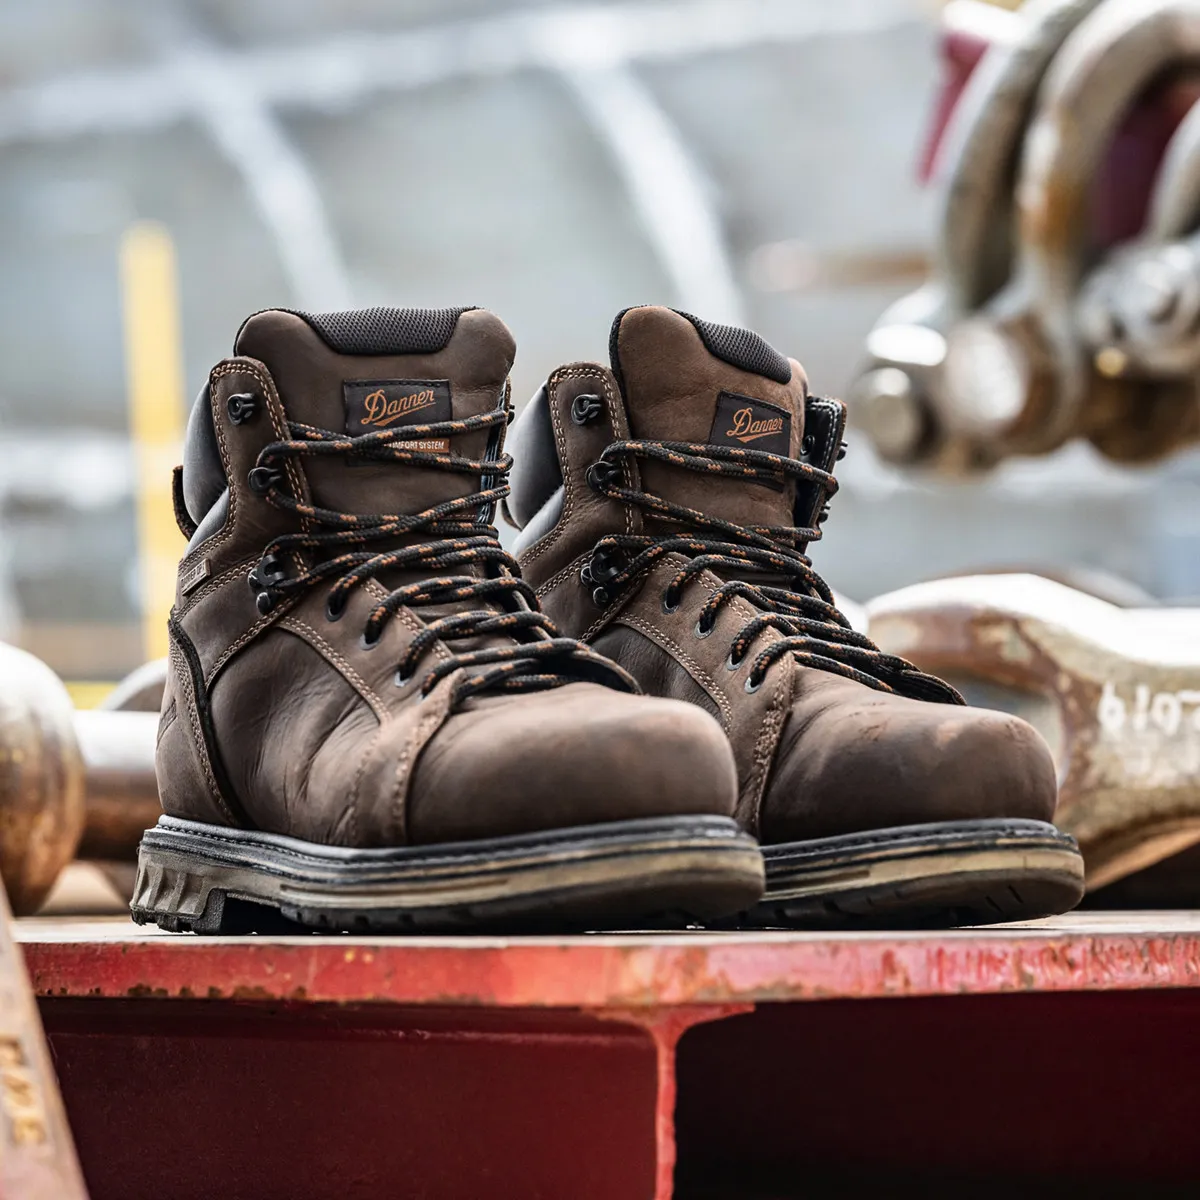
pixel 154 378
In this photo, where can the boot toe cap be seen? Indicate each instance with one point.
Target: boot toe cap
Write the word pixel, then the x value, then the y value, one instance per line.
pixel 890 761
pixel 579 755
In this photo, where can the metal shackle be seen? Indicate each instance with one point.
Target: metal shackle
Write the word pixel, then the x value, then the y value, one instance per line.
pixel 1139 310
pixel 1032 365
pixel 1101 70
pixel 895 397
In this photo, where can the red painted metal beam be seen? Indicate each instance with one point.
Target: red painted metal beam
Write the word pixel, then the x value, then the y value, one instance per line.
pixel 1076 953
pixel 540 1067
pixel 195 1100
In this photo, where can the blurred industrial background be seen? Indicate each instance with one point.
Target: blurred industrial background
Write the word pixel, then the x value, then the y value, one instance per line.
pixel 169 166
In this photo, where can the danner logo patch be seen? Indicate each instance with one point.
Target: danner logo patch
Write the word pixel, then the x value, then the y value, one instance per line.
pixel 376 404
pixel 755 424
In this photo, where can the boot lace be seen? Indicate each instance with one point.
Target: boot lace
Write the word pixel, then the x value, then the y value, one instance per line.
pixel 803 610
pixel 454 534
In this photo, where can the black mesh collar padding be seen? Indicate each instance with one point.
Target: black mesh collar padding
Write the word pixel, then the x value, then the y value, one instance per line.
pixel 742 349
pixel 384 330
pixel 738 347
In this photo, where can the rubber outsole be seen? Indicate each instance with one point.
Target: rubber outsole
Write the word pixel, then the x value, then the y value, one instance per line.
pixel 953 873
pixel 653 873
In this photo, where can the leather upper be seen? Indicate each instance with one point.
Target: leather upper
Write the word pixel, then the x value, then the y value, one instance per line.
pixel 816 753
pixel 289 722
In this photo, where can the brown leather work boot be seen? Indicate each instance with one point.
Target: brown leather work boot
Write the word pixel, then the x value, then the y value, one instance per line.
pixel 666 506
pixel 368 723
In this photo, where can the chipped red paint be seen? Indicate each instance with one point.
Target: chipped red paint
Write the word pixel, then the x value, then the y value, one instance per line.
pixel 500 1041
pixel 628 972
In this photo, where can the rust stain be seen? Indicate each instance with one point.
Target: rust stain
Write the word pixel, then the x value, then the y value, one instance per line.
pixel 646 975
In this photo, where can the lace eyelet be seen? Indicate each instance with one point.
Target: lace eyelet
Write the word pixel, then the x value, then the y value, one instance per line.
pixel 751 686
pixel 807 443
pixel 667 607
pixel 701 632
pixel 332 613
pixel 732 664
pixel 402 681
pixel 605 565
pixel 600 474
pixel 585 408
pixel 366 643
pixel 271 570
pixel 263 479
pixel 241 407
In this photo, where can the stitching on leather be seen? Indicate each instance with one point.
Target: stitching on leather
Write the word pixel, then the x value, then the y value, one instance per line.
pixel 277 617
pixel 621 429
pixel 307 633
pixel 274 617
pixel 426 727
pixel 563 575
pixel 212 544
pixel 355 791
pixel 280 425
pixel 399 804
pixel 613 612
pixel 214 583
pixel 184 676
pixel 570 575
pixel 701 676
pixel 616 419
pixel 219 372
pixel 560 445
pixel 598 625
pixel 765 745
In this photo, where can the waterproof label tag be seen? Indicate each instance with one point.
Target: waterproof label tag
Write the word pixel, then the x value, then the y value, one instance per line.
pixel 376 404
pixel 195 576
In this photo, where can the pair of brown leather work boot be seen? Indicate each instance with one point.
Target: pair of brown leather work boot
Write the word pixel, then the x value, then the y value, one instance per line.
pixel 373 721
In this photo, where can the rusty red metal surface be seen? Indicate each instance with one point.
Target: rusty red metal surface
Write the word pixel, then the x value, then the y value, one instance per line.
pixel 1084 952
pixel 334 1067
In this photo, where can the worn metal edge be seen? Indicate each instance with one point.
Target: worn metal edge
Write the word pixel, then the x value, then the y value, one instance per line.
pixel 628 972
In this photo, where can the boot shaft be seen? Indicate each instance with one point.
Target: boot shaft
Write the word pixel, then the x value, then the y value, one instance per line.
pixel 342 575
pixel 682 383
pixel 354 374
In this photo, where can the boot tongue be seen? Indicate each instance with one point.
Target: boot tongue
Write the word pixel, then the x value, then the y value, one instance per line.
pixel 383 368
pixel 686 380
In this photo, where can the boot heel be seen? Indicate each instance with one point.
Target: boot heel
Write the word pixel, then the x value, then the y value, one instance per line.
pixel 170 896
